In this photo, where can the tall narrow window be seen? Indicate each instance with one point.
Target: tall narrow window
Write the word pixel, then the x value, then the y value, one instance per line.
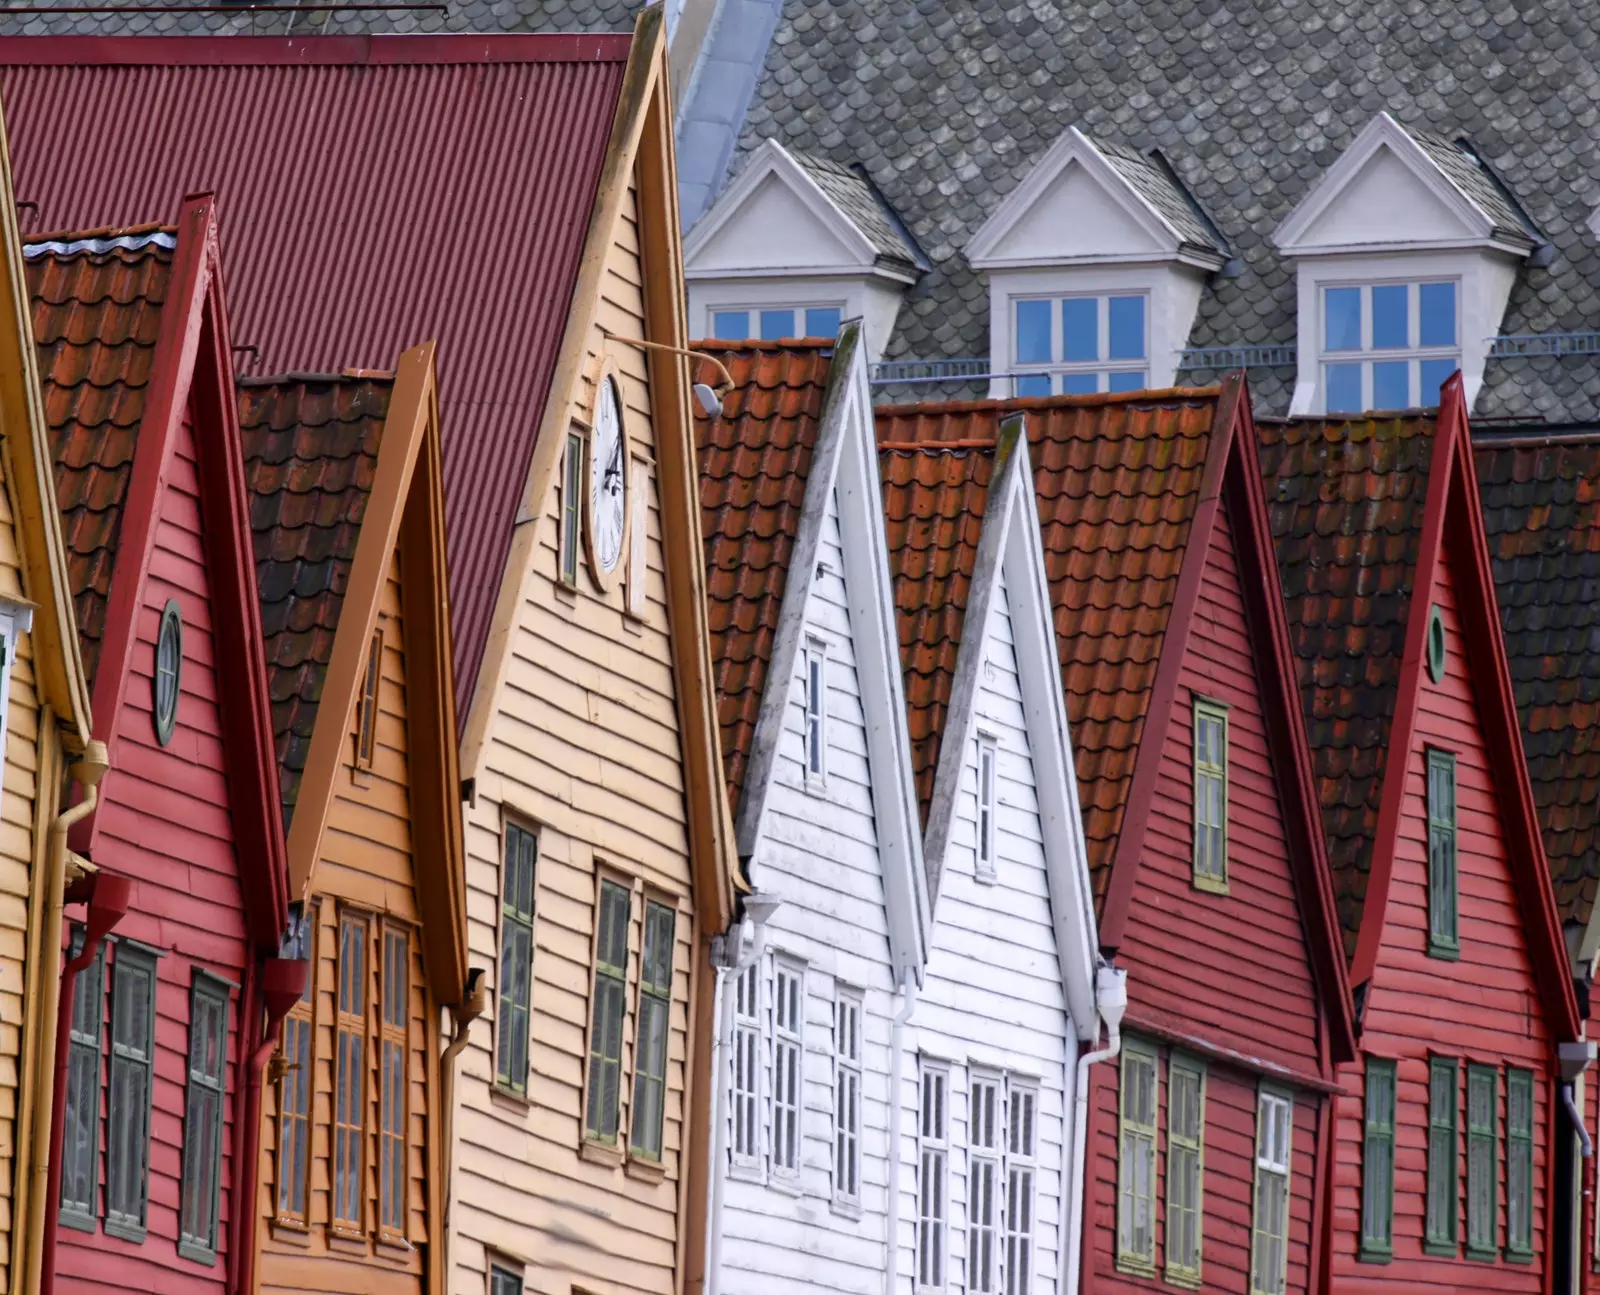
pixel 1519 1163
pixel 571 508
pixel 610 1008
pixel 650 1044
pixel 133 1004
pixel 80 1147
pixel 1269 1271
pixel 1210 796
pixel 788 1052
pixel 745 1075
pixel 933 1150
pixel 986 807
pixel 816 716
pixel 1186 1123
pixel 169 671
pixel 1483 1160
pixel 504 1281
pixel 350 1078
pixel 985 1128
pixel 847 1097
pixel 294 1094
pixel 1443 937
pixel 1444 1159
pixel 396 986
pixel 1136 1191
pixel 1021 1134
pixel 202 1119
pixel 1377 1163
pixel 367 711
pixel 516 958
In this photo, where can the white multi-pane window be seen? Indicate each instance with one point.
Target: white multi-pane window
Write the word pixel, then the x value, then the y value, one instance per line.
pixel 1274 1144
pixel 986 806
pixel 771 323
pixel 1002 1137
pixel 933 1154
pixel 1186 1123
pixel 788 1053
pixel 847 1097
pixel 1076 346
pixel 745 1069
pixel 1022 1132
pixel 1136 1169
pixel 1388 345
pixel 816 712
pixel 985 1128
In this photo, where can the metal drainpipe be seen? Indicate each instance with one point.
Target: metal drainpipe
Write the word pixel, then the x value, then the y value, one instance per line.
pixel 472 1005
pixel 1111 1001
pixel 908 992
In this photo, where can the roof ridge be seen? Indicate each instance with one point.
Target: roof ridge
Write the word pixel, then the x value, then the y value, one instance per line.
pixel 937 447
pixel 97 242
pixel 312 375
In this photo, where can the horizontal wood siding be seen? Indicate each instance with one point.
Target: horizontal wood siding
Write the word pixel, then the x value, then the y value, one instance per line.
pixel 164 821
pixel 1482 1008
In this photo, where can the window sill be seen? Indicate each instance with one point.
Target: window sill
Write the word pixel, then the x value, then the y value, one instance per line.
pixel 846 1209
pixel 287 1232
pixel 508 1100
pixel 197 1254
pixel 1444 952
pixel 644 1169
pixel 1187 1280
pixel 985 876
pixel 1518 1256
pixel 125 1231
pixel 347 1243
pixel 746 1174
pixel 1482 1256
pixel 1135 1268
pixel 394 1249
pixel 1211 885
pixel 1442 1249
pixel 816 787
pixel 601 1153
pixel 567 593
pixel 787 1184
pixel 1366 1255
pixel 79 1222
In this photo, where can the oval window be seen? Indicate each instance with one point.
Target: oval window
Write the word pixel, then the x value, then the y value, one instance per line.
pixel 169 665
pixel 1436 644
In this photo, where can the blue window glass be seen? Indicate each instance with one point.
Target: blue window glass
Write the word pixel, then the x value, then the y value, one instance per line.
pixel 1033 384
pixel 1127 328
pixel 1343 382
pixel 1390 325
pixel 1078 384
pixel 1436 313
pixel 1391 385
pixel 731 325
pixel 1080 328
pixel 822 322
pixel 1128 381
pixel 1342 319
pixel 1033 332
pixel 776 324
pixel 1434 373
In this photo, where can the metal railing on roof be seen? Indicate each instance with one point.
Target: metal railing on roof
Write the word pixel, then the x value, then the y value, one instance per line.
pixel 1237 357
pixel 1512 345
pixel 910 371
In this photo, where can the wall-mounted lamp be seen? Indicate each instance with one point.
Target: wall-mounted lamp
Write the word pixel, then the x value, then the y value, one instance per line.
pixel 708 397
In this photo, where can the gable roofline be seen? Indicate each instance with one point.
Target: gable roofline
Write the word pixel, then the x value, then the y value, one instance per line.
pixel 1072 145
pixel 1453 514
pixel 1383 131
pixel 58 667
pixel 193 362
pixel 316 51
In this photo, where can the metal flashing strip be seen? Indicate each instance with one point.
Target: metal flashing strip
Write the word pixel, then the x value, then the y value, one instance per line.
pixel 1238 357
pixel 99 246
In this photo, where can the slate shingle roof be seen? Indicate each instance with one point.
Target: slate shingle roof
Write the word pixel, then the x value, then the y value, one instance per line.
pixel 1118 482
pixel 1163 191
pixel 1345 499
pixel 1541 508
pixel 96 317
pixel 948 105
pixel 854 195
pixel 311 449
pixel 755 461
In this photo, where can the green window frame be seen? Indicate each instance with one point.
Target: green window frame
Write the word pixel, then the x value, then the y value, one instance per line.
pixel 516 958
pixel 1210 796
pixel 1377 1164
pixel 1483 1161
pixel 202 1118
pixel 80 1145
pixel 1519 1165
pixel 1269 1224
pixel 571 508
pixel 1186 1132
pixel 1444 937
pixel 1136 1167
pixel 603 1107
pixel 1444 1156
pixel 133 1047
pixel 650 1031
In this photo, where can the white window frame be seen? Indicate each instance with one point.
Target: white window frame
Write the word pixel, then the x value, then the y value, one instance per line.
pixel 814 715
pixel 744 1074
pixel 1101 368
pixel 988 805
pixel 986 1142
pixel 799 305
pixel 1274 1161
pixel 849 1025
pixel 788 1042
pixel 1366 355
pixel 1021 1188
pixel 932 1255
pixel 1142 1139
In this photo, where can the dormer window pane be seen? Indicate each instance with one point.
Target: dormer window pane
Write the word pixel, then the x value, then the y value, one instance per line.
pixel 1386 336
pixel 1438 314
pixel 1391 385
pixel 731 325
pixel 1128 381
pixel 1033 335
pixel 1342 308
pixel 1389 327
pixel 1434 375
pixel 1080 329
pixel 1127 328
pixel 1344 388
pixel 1038 384
pixel 1076 384
pixel 1080 339
pixel 823 322
pixel 776 324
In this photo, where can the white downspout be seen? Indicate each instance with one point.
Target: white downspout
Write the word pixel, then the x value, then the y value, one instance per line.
pixel 908 996
pixel 1110 1001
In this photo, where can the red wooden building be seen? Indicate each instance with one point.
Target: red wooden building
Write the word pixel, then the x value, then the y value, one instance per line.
pixel 164 1024
pixel 1208 1136
pixel 1442 1174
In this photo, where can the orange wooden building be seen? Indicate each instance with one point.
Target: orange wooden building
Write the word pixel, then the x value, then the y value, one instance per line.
pixel 348 520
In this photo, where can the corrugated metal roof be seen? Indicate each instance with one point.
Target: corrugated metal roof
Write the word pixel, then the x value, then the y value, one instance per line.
pixel 373 193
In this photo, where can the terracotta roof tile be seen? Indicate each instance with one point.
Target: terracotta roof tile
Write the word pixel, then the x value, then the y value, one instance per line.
pixel 1541 508
pixel 1117 480
pixel 1345 499
pixel 96 315
pixel 311 449
pixel 754 463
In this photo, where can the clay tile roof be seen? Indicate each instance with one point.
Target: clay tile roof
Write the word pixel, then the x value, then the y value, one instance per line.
pixel 754 462
pixel 1541 508
pixel 311 448
pixel 934 499
pixel 1117 480
pixel 1345 499
pixel 96 314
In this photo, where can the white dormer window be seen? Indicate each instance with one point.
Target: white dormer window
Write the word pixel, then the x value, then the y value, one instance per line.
pixel 771 323
pixel 1076 346
pixel 1388 345
pixel 986 807
pixel 816 714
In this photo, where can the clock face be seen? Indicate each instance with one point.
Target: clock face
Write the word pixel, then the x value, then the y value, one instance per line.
pixel 608 480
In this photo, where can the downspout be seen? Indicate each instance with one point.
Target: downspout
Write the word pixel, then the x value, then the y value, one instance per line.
pixel 283 981
pixel 45 1208
pixel 470 1008
pixel 908 1001
pixel 1110 1001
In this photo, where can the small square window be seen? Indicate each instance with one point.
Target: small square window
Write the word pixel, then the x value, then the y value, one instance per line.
pixel 823 321
pixel 776 324
pixel 731 325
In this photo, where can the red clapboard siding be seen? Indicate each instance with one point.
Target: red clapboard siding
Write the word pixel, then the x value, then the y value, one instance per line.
pixel 1483 1008
pixel 164 822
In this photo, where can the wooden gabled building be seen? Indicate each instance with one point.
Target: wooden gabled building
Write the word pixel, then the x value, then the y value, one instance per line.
pixel 1447 1118
pixel 347 512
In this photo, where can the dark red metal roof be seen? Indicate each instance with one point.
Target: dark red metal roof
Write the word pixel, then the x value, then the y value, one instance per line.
pixel 373 193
